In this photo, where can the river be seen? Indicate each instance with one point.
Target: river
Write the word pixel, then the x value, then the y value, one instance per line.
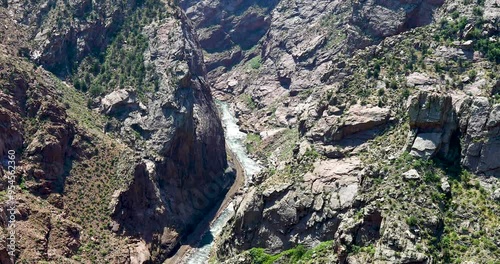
pixel 235 141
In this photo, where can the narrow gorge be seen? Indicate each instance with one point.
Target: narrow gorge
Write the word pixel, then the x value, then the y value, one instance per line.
pixel 243 164
pixel 250 131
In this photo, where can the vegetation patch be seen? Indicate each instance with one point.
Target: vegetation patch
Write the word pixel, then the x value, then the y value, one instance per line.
pixel 255 63
pixel 249 101
pixel 452 30
pixel 252 142
pixel 122 65
pixel 299 254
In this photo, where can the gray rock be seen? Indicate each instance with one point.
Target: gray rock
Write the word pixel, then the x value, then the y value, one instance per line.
pixel 480 124
pixel 494 119
pixel 426 145
pixel 445 185
pixel 496 195
pixel 347 194
pixel 429 110
pixel 386 18
pixel 420 79
pixel 476 117
pixel 433 120
pixel 120 101
pixel 451 53
pixel 139 253
pixel 358 119
pixel 411 175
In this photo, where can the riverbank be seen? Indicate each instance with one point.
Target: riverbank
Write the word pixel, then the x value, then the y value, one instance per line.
pixel 195 237
pixel 239 182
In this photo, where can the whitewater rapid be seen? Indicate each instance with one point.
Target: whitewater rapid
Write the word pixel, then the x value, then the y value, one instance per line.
pixel 235 140
pixel 202 254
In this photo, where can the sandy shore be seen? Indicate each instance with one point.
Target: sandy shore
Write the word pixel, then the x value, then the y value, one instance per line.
pixel 239 182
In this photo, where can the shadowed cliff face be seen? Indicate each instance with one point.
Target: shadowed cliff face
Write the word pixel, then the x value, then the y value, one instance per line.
pixel 223 25
pixel 186 179
pixel 385 18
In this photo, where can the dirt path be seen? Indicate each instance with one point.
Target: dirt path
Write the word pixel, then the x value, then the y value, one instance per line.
pixel 204 225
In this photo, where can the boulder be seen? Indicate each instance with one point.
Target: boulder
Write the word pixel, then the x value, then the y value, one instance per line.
pixel 451 53
pixel 429 110
pixel 433 122
pixel 359 119
pixel 445 186
pixel 496 195
pixel 411 175
pixel 418 79
pixel 139 253
pixel 119 102
pixel 426 145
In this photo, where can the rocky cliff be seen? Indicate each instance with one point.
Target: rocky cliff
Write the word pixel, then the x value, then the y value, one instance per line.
pixel 106 172
pixel 181 173
pixel 375 121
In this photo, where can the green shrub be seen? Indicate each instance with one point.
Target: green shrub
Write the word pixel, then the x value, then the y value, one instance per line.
pixel 472 74
pixel 96 90
pixel 477 11
pixel 406 93
pixel 451 31
pixel 255 62
pixel 297 253
pixel 430 177
pixel 412 221
pixel 491 49
pixel 312 153
pixel 249 101
pixel 376 69
pixel 252 141
pixel 259 256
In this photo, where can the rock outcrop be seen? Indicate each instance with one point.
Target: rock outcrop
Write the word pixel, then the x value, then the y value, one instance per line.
pixel 120 103
pixel 181 174
pixel 140 170
pixel 246 34
pixel 471 127
pixel 48 143
pixel 63 33
pixel 479 124
pixel 433 122
pixel 41 136
pixel 285 215
pixel 387 18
